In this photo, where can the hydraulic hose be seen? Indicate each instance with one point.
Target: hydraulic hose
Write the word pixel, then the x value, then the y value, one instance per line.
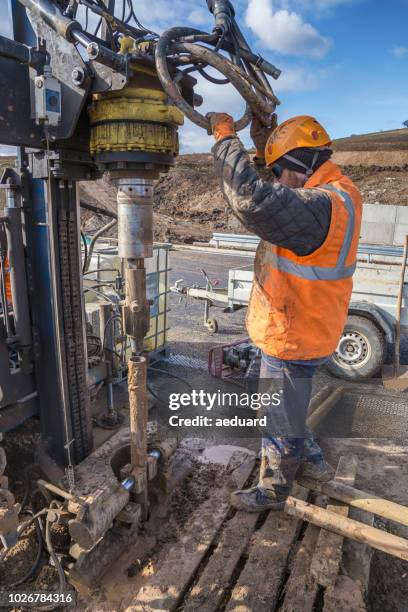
pixel 260 101
pixel 95 237
pixel 98 210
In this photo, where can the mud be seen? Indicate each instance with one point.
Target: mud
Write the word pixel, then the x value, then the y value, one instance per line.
pixel 389 576
pixel 194 491
pixel 18 560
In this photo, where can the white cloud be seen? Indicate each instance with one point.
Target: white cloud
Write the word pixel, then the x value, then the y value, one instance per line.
pixel 285 31
pixel 200 17
pixel 162 14
pixel 299 79
pixel 217 98
pixel 400 51
pixel 194 139
pixel 314 6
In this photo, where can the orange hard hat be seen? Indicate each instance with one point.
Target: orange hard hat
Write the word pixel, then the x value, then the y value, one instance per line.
pixel 295 133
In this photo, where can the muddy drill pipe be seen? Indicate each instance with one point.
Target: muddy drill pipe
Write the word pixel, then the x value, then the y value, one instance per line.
pixel 135 240
pixel 138 409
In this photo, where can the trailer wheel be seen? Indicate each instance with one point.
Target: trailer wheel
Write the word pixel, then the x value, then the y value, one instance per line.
pixel 361 351
pixel 212 325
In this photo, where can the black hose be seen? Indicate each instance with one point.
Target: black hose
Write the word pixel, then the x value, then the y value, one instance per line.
pixel 159 399
pixel 83 238
pixel 153 369
pixel 54 557
pixel 100 270
pixel 21 529
pixel 98 210
pixel 110 321
pixel 95 237
pixel 262 106
pixel 101 295
pixel 212 79
pixel 257 61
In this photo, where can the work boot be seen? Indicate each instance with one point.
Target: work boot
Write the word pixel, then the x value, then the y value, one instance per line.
pixel 319 471
pixel 258 499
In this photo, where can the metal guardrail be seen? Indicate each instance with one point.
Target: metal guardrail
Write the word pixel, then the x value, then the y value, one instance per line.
pixel 248 242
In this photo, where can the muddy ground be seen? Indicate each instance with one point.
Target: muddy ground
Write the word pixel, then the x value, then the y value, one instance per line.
pixel 382 469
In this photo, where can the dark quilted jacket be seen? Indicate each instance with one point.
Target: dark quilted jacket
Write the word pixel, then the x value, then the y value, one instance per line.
pixel 295 219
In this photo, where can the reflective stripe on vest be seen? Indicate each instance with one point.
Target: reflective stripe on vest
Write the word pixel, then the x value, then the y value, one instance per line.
pixel 318 272
pixel 348 238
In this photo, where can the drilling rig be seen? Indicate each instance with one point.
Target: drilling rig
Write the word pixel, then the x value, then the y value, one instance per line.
pixel 88 91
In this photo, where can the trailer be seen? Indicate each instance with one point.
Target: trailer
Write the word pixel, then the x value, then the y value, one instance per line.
pixel 369 334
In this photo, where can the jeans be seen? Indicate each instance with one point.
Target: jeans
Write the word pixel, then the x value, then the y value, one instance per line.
pixel 286 440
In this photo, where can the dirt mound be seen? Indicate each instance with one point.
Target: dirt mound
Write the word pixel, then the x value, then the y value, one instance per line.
pixel 391 140
pixel 398 159
pixel 189 205
pixel 388 148
pixel 380 184
pixel 188 202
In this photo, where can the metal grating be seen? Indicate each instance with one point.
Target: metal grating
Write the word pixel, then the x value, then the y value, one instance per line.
pixel 367 416
pixel 187 362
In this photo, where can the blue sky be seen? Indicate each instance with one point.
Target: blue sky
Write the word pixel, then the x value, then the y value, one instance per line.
pixel 344 61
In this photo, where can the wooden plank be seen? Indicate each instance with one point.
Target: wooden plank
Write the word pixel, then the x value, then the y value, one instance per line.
pixel 344 596
pixel 259 583
pixel 329 548
pixel 357 556
pixel 166 588
pixel 301 588
pixel 318 398
pixel 210 589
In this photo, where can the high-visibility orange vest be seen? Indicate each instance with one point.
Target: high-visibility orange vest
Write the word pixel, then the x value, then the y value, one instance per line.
pixel 299 305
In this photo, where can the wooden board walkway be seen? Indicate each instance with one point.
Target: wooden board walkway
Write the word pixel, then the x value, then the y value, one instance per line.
pixel 242 562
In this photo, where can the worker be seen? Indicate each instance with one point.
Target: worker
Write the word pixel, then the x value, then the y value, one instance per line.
pixel 308 218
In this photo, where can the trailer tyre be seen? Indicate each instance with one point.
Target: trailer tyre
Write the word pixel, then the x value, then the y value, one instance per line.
pixel 361 351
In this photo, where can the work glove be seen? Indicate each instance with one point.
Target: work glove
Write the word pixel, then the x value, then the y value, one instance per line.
pixel 222 125
pixel 260 134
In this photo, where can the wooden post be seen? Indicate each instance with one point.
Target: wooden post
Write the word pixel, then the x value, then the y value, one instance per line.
pixel 318 398
pixel 360 499
pixel 388 543
pixel 321 411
